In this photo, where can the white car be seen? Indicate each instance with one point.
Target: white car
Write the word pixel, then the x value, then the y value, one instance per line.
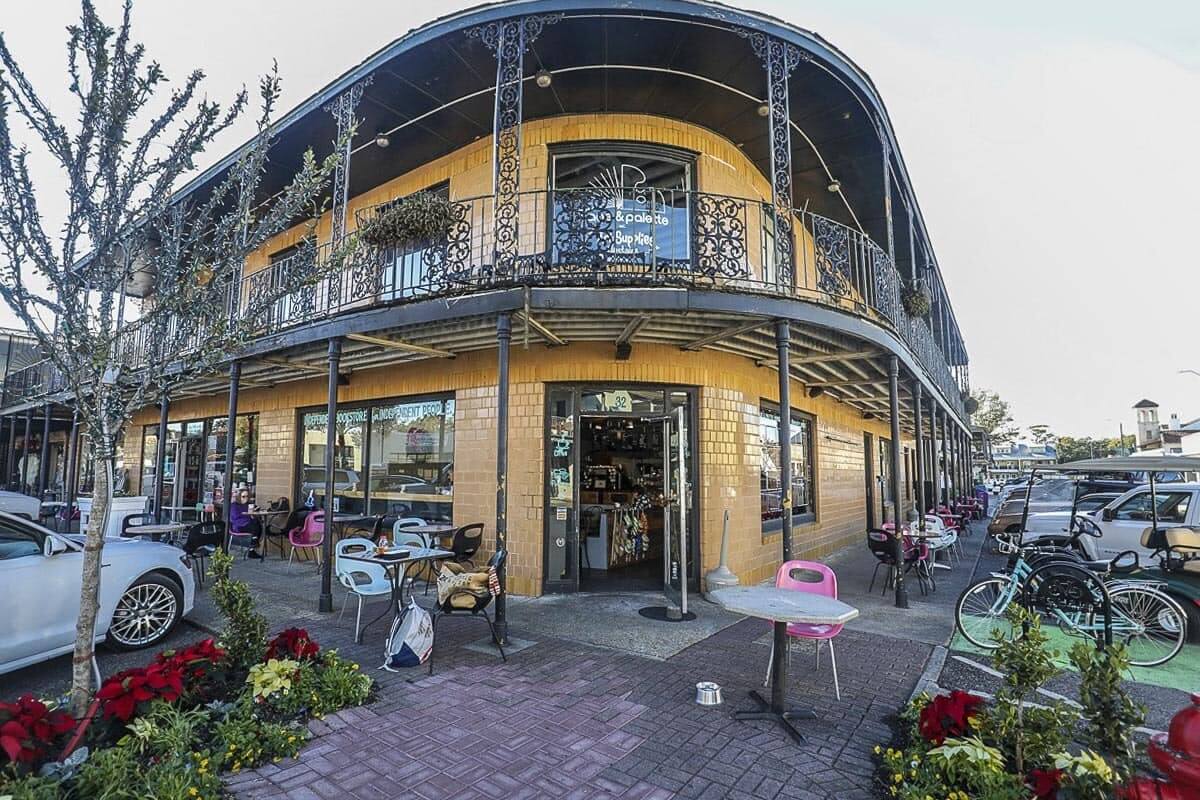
pixel 145 589
pixel 22 505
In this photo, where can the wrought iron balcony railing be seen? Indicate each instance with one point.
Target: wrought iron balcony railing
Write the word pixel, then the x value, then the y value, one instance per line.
pixel 584 237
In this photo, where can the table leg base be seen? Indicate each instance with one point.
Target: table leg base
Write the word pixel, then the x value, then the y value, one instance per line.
pixel 785 719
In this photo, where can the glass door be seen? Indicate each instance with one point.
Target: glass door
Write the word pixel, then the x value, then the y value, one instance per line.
pixel 562 519
pixel 677 490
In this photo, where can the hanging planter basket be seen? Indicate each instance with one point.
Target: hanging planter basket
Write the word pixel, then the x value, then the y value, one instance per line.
pixel 420 217
pixel 970 404
pixel 915 300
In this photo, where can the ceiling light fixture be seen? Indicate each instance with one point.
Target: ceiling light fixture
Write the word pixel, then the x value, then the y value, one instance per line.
pixel 835 185
pixel 764 110
pixel 543 79
pixel 382 140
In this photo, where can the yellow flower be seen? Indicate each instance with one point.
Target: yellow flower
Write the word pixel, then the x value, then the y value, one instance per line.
pixel 899 776
pixel 291 738
pixel 878 749
pixel 276 759
pixel 354 666
pixel 194 792
pixel 204 762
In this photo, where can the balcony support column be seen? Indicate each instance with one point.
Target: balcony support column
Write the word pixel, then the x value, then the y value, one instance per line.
pixel 783 339
pixel 919 452
pixel 44 456
pixel 160 456
pixel 26 450
pixel 886 151
pixel 779 58
pixel 508 39
pixel 10 457
pixel 945 494
pixel 503 339
pixel 894 412
pixel 325 601
pixel 71 469
pixel 235 376
pixel 343 109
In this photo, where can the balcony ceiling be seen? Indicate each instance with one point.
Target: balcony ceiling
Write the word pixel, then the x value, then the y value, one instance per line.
pixel 432 94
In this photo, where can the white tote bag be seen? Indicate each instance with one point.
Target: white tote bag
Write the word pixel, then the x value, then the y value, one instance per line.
pixel 411 639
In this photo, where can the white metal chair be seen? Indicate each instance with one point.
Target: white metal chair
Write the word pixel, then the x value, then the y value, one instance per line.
pixel 414 540
pixel 405 522
pixel 360 578
pixel 946 540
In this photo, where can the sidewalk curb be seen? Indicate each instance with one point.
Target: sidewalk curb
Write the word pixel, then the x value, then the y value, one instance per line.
pixel 928 682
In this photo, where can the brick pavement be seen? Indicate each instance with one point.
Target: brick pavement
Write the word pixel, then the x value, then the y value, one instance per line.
pixel 568 720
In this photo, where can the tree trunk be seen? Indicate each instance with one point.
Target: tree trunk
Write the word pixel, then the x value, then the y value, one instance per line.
pixel 89 593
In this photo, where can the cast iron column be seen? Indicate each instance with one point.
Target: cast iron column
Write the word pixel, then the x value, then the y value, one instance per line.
pixel 71 467
pixel 933 454
pixel 325 602
pixel 503 337
pixel 920 453
pixel 894 410
pixel 45 454
pixel 160 456
pixel 342 108
pixel 952 435
pixel 235 375
pixel 945 453
pixel 25 450
pixel 10 458
pixel 783 346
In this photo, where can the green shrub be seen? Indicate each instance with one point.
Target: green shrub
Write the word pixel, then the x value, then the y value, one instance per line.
pixel 245 635
pixel 320 687
pixel 29 787
pixel 245 740
pixel 420 216
pixel 117 773
pixel 165 730
pixel 1109 713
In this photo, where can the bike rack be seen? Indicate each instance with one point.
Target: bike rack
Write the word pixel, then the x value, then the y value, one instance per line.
pixel 1069 588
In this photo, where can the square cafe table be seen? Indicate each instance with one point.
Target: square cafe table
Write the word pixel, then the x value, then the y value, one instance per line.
pixel 393 568
pixel 781 606
pixel 158 530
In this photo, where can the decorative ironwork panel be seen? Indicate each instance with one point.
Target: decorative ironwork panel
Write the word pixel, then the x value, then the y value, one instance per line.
pixel 582 230
pixel 508 39
pixel 720 237
pixel 343 108
pixel 780 58
pixel 831 243
pixel 886 284
pixel 448 263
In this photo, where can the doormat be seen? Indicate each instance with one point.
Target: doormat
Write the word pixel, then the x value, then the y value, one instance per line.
pixel 659 614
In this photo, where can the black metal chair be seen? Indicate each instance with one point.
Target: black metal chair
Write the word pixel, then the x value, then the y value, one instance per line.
pixel 466 542
pixel 278 532
pixel 881 546
pixel 478 605
pixel 134 521
pixel 203 539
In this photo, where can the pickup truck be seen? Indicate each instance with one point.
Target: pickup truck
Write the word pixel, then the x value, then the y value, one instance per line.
pixel 1124 519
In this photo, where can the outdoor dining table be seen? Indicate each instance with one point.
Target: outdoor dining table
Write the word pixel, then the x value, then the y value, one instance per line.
pixel 158 530
pixel 781 606
pixel 393 566
pixel 431 532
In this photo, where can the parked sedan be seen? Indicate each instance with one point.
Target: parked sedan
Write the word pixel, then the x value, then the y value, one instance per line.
pixel 145 589
pixel 22 505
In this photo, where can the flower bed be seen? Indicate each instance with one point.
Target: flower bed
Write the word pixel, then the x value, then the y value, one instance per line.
pixel 169 729
pixel 962 747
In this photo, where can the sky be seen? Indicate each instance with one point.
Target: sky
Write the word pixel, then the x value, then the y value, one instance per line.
pixel 1053 147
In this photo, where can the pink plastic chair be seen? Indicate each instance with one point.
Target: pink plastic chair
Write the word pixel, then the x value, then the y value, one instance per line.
pixel 815 578
pixel 309 536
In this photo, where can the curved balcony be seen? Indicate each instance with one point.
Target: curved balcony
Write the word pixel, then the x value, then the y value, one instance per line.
pixel 583 238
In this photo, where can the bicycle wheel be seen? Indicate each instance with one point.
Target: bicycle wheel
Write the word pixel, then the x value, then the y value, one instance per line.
pixel 980 610
pixel 1151 624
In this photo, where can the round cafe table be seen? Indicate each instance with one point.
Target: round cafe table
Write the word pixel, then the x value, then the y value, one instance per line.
pixel 781 606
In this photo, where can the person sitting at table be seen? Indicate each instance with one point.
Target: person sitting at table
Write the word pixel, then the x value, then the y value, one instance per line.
pixel 240 521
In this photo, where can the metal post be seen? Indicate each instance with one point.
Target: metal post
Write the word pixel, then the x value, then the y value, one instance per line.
pixel 235 375
pixel 894 409
pixel 931 502
pixel 503 338
pixel 44 456
pixel 25 449
pixel 160 456
pixel 886 149
pixel 325 602
pixel 952 483
pixel 783 333
pixel 72 467
pixel 342 108
pixel 919 500
pixel 945 454
pixel 10 459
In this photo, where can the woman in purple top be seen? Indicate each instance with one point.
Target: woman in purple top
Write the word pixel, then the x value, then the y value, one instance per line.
pixel 240 521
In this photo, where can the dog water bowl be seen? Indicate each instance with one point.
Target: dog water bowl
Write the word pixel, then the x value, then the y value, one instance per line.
pixel 708 693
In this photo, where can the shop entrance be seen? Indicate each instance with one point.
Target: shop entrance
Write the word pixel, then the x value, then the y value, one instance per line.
pixel 620 484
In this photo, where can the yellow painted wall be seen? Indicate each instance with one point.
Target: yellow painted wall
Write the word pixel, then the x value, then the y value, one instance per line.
pixel 731 390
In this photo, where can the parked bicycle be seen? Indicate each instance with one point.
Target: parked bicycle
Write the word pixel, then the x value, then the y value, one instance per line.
pixel 1148 621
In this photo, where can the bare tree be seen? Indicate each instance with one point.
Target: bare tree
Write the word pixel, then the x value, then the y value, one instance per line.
pixel 124 154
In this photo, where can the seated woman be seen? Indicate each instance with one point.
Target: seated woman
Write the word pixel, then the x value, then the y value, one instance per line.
pixel 240 521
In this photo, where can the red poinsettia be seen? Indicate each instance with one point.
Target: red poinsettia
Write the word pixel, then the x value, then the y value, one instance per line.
pixel 120 695
pixel 293 643
pixel 192 660
pixel 29 730
pixel 1045 783
pixel 948 715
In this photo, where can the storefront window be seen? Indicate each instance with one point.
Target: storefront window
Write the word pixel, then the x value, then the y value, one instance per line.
pixel 411 457
pixel 803 479
pixel 194 462
pixel 245 457
pixel 349 437
pixel 616 401
pixel 884 473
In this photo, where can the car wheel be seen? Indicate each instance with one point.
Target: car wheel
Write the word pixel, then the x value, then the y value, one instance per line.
pixel 146 613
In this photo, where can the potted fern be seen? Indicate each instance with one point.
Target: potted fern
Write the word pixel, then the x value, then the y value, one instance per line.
pixel 422 216
pixel 915 299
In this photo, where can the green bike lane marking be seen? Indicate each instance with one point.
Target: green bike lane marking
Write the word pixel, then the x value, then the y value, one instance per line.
pixel 1182 672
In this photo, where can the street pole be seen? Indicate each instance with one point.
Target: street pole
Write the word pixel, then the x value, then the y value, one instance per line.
pixel 325 601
